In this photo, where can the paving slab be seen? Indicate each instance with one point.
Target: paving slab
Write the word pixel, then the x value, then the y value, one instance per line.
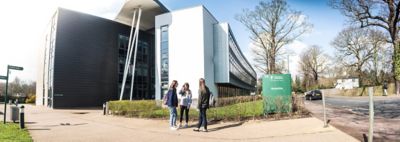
pixel 84 125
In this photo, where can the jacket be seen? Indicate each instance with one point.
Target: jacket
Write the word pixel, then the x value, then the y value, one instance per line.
pixel 186 98
pixel 204 99
pixel 172 100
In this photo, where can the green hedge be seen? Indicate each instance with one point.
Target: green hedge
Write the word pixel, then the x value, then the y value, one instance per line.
pixel 149 109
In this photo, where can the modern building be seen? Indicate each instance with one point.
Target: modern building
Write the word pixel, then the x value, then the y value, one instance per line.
pixel 202 47
pixel 82 60
pixel 347 83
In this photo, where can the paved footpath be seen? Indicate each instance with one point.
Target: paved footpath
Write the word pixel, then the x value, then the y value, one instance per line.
pixel 47 125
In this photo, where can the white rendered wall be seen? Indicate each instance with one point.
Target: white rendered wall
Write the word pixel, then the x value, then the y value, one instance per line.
pixel 187 38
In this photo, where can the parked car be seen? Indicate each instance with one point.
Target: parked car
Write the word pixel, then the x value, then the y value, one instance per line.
pixel 313 95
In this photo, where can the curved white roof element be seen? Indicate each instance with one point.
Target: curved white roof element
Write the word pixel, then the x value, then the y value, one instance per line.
pixel 150 9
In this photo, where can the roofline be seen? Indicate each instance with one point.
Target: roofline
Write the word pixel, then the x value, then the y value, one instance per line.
pixel 240 50
pixel 162 6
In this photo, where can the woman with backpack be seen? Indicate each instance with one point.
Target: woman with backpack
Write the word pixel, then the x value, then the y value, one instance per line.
pixel 172 103
pixel 185 102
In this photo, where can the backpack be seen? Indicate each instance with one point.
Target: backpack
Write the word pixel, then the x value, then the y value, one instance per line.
pixel 165 98
pixel 212 100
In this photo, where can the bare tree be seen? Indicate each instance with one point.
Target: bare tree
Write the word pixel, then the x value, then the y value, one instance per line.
pixel 272 26
pixel 313 62
pixel 378 42
pixel 376 13
pixel 356 47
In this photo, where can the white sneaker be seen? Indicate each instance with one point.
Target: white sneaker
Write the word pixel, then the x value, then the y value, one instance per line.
pixel 173 128
pixel 180 125
pixel 186 125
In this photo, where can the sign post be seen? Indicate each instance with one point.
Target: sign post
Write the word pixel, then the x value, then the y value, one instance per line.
pixel 277 93
pixel 3 77
pixel 5 95
pixel 371 114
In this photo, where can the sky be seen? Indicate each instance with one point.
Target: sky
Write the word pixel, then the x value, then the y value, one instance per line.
pixel 24 21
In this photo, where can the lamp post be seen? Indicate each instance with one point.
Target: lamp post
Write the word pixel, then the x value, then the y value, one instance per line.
pixel 5 96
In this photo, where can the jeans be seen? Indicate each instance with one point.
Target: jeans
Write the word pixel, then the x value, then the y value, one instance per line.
pixel 202 118
pixel 184 110
pixel 172 116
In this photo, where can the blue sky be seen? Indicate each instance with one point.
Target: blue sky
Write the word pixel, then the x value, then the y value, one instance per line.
pixel 24 21
pixel 327 22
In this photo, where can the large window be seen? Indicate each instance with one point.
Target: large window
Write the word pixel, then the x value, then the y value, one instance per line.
pixel 164 58
pixel 143 87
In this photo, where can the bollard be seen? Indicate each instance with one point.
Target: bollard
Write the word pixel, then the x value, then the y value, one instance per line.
pixel 21 117
pixel 371 115
pixel 104 108
pixel 323 103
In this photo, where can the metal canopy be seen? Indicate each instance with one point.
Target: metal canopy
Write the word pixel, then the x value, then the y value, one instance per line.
pixel 150 8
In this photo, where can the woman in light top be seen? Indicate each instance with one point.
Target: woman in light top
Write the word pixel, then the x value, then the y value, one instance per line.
pixel 185 102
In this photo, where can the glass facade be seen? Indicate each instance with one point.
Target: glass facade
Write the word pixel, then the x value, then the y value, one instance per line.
pixel 239 69
pixel 51 42
pixel 238 65
pixel 144 78
pixel 164 59
pixel 225 90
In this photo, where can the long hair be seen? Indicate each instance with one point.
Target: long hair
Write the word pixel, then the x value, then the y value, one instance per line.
pixel 173 84
pixel 202 85
pixel 187 86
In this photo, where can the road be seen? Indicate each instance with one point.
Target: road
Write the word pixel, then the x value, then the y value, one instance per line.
pixel 350 114
pixel 384 107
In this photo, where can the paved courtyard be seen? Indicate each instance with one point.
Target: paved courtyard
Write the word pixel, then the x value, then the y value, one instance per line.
pixel 47 125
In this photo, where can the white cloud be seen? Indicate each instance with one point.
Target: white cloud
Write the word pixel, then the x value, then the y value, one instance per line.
pixel 23 24
pixel 296 48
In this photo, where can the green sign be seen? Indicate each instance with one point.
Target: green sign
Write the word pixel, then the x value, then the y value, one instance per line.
pixel 277 93
pixel 3 77
pixel 15 67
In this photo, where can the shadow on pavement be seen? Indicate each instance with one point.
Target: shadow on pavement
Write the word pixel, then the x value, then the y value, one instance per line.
pixel 365 138
pixel 226 126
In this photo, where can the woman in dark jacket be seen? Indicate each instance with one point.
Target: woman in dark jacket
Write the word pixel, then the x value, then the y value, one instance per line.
pixel 172 102
pixel 203 104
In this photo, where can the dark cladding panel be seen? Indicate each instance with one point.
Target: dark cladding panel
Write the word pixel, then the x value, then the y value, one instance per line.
pixel 86 59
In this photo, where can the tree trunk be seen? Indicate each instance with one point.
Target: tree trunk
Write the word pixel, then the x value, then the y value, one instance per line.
pixel 359 77
pixel 272 65
pixel 396 66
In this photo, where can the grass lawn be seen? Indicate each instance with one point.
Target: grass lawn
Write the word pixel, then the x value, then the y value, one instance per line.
pixel 149 109
pixel 10 132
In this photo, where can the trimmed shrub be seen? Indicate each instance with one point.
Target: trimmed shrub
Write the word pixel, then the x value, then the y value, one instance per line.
pixel 31 99
pixel 237 99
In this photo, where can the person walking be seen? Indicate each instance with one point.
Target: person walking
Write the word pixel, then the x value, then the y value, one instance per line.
pixel 385 87
pixel 203 104
pixel 172 103
pixel 185 102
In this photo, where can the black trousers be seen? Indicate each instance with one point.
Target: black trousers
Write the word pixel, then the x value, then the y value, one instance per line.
pixel 184 109
pixel 202 118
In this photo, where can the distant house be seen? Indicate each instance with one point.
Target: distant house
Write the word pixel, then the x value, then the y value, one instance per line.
pixel 347 83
